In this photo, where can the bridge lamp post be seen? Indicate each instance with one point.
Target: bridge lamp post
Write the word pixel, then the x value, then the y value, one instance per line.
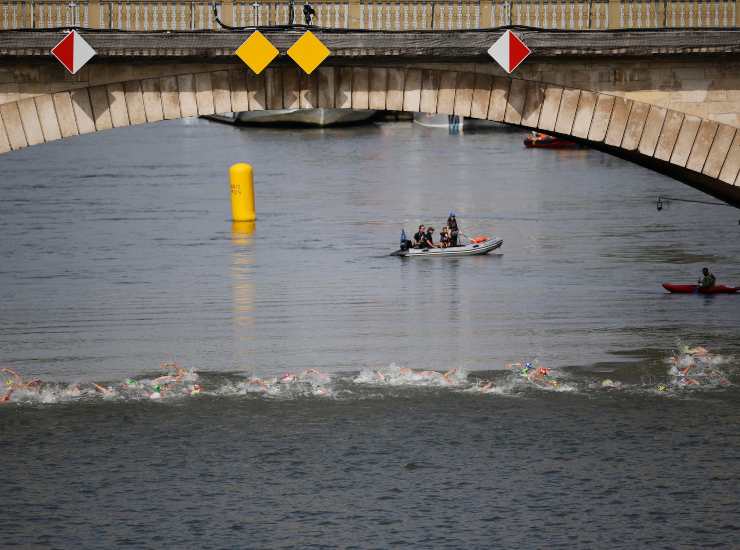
pixel 73 8
pixel 256 8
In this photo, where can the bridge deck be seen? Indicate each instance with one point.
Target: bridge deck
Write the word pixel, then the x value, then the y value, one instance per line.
pixel 457 45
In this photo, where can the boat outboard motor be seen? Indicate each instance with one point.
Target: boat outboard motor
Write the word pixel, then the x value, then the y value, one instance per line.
pixel 405 243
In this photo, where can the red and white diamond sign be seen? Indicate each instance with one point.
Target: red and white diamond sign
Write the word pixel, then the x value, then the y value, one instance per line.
pixel 73 52
pixel 509 51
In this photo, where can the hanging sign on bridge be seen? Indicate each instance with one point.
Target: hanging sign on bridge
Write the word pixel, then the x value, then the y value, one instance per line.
pixel 509 51
pixel 258 52
pixel 73 52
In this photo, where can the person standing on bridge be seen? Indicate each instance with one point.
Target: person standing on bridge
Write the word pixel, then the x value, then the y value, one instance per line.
pixel 308 12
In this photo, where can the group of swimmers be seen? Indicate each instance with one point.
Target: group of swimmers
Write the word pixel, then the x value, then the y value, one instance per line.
pixel 696 367
pixel 424 237
pixel 531 371
pixel 176 380
pixel 689 367
pixel 405 375
pixel 311 381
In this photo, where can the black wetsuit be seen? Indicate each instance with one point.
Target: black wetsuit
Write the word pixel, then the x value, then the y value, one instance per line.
pixel 708 281
pixel 427 241
pixel 454 231
pixel 419 238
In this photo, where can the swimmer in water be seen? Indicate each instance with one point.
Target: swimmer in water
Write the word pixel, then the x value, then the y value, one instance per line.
pixel 288 378
pixel 260 383
pixel 524 369
pixel 103 390
pixel 19 384
pixel 488 387
pixel 538 374
pixel 450 374
pixel 178 376
pixel 6 397
pixel 157 392
pixel 316 375
pixel 431 374
pixel 699 351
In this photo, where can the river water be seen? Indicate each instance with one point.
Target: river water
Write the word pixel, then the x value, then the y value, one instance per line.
pixel 117 254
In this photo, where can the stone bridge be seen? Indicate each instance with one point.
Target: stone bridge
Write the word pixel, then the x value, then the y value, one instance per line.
pixel 668 100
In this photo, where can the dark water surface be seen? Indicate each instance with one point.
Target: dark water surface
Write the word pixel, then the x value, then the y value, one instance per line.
pixel 116 253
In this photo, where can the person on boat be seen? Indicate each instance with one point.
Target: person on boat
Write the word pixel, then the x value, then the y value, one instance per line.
pixel 444 237
pixel 708 279
pixel 454 230
pixel 428 240
pixel 419 236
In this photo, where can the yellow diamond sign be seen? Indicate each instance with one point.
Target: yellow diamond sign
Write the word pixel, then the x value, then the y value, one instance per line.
pixel 308 52
pixel 257 52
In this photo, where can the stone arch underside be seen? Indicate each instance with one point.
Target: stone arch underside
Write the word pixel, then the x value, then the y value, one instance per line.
pixel 696 151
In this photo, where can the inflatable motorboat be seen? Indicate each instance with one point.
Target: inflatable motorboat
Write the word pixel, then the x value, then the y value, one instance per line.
pixel 471 249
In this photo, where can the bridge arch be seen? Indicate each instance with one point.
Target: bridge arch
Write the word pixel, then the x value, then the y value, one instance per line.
pixel 699 152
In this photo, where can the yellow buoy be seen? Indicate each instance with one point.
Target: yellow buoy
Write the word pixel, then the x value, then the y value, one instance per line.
pixel 242 192
pixel 241 232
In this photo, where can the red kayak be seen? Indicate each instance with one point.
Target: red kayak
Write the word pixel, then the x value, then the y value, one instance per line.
pixel 694 289
pixel 544 141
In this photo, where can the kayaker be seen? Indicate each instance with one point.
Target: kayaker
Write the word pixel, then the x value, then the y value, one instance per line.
pixel 454 231
pixel 708 280
pixel 419 236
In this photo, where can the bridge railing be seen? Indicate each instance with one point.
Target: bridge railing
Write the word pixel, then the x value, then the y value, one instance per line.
pixel 677 14
pixel 154 15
